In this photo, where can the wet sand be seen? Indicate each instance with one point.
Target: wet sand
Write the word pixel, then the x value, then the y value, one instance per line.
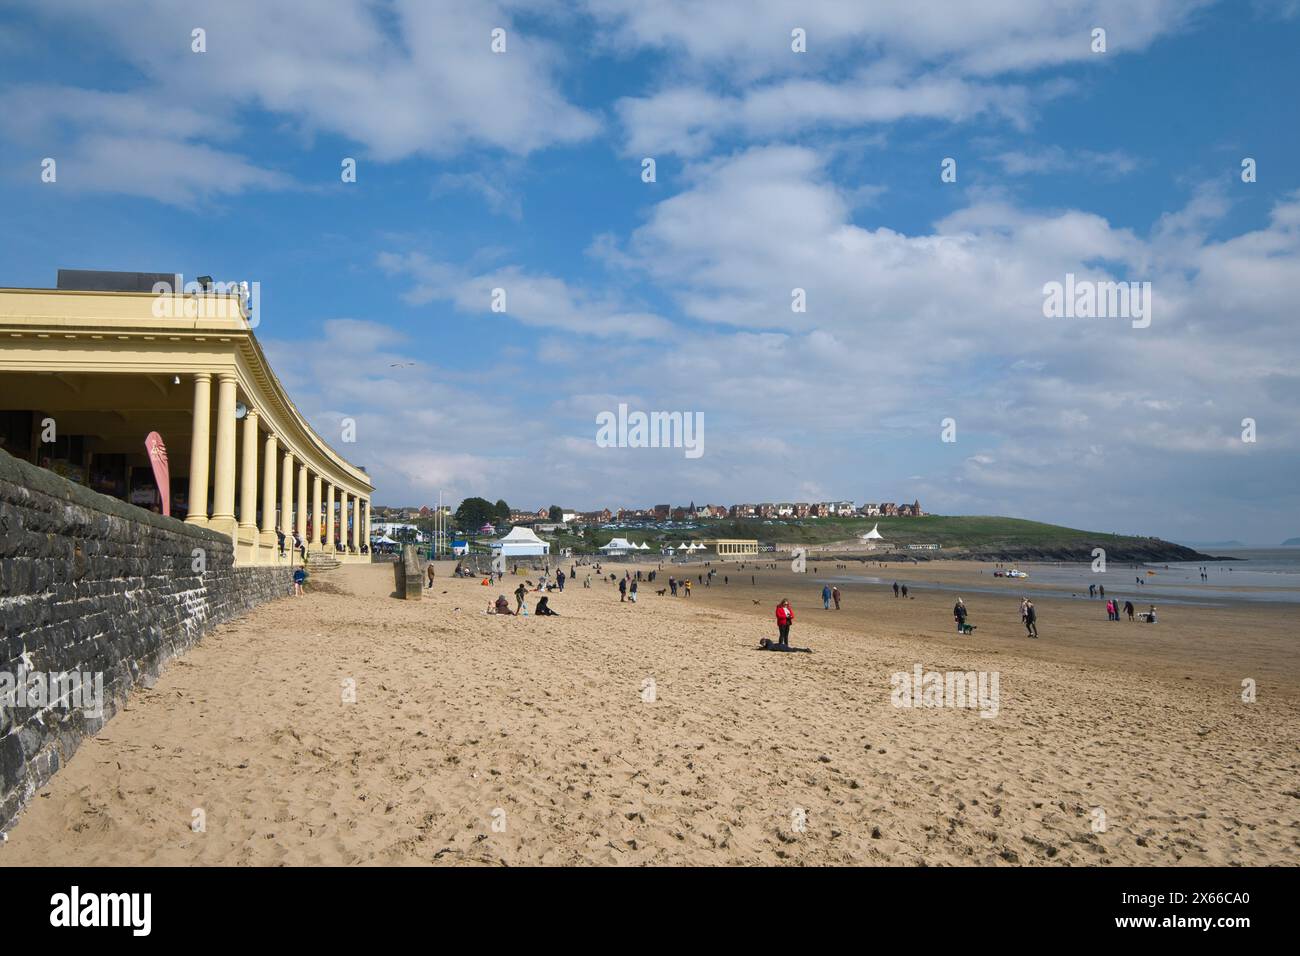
pixel 479 739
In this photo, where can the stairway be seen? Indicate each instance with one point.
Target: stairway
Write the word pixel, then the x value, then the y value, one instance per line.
pixel 322 561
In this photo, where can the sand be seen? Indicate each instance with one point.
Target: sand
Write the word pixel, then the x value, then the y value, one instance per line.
pixel 501 740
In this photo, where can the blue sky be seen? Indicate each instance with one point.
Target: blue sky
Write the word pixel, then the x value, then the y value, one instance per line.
pixel 775 170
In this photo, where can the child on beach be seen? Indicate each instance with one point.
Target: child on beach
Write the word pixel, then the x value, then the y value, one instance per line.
pixel 299 576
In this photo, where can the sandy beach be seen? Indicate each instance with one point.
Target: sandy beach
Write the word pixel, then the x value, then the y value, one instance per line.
pixel 478 739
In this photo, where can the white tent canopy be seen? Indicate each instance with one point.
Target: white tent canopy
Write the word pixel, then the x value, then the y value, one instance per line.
pixel 521 542
pixel 874 534
pixel 618 546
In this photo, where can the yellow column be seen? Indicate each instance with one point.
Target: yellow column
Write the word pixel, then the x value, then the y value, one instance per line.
pixel 356 523
pixel 286 496
pixel 329 519
pixel 223 478
pixel 248 486
pixel 270 466
pixel 368 531
pixel 316 527
pixel 342 518
pixel 199 449
pixel 301 524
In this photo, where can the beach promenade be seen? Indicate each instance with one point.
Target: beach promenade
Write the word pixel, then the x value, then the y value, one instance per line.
pixel 657 734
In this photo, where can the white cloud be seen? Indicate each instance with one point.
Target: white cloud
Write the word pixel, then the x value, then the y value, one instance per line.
pixel 540 301
pixel 415 77
pixel 686 121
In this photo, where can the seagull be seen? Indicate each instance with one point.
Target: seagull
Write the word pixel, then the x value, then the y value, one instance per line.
pixel 400 364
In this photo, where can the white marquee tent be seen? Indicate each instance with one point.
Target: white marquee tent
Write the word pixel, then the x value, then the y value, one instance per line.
pixel 874 534
pixel 519 543
pixel 618 546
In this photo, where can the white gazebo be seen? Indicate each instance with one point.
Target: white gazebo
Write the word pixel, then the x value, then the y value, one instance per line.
pixel 521 543
pixel 874 534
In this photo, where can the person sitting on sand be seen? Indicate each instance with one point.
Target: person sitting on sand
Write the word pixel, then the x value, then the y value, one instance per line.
pixel 502 606
pixel 543 608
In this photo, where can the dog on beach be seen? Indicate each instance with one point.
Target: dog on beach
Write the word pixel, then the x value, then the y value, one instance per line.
pixel 662 591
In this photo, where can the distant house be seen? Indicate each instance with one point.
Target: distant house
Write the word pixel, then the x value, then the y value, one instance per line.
pixel 888 509
pixel 785 510
pixel 744 511
pixel 803 509
pixel 767 510
pixel 870 510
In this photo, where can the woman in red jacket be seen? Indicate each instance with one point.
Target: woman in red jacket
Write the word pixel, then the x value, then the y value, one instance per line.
pixel 784 618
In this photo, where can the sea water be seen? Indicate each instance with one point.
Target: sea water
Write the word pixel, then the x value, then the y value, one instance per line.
pixel 1255 574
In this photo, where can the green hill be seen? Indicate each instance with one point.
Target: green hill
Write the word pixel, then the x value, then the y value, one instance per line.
pixel 986 537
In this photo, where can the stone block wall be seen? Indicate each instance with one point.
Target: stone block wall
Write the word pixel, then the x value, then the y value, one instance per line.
pixel 92 585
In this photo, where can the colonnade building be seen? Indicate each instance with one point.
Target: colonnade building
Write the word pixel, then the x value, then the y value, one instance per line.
pixel 91 368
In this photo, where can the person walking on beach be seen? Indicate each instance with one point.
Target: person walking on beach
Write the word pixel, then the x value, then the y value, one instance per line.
pixel 826 597
pixel 1101 590
pixel 622 589
pixel 1031 619
pixel 784 618
pixel 520 593
pixel 895 589
pixel 429 573
pixel 687 583
pixel 835 596
pixel 1128 609
pixel 1110 610
pixel 559 580
pixel 631 592
pixel 959 615
pixel 904 591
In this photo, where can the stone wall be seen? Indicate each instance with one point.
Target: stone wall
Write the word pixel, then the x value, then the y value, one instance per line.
pixel 92 585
